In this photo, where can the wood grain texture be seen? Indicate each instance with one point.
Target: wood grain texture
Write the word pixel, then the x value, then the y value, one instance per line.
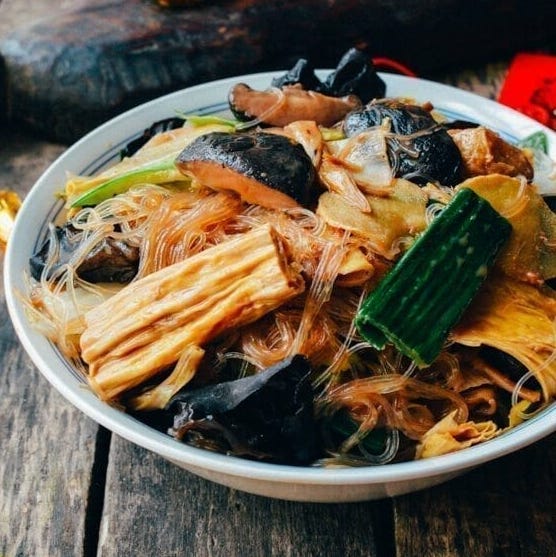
pixel 47 445
pixel 45 470
pixel 505 508
pixel 158 505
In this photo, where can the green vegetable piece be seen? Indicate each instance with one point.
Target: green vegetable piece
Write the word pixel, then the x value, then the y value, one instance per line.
pixel 154 163
pixel 373 442
pixel 332 134
pixel 416 305
pixel 537 141
pixel 196 120
pixel 160 172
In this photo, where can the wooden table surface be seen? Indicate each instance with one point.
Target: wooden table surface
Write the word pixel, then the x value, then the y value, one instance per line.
pixel 71 488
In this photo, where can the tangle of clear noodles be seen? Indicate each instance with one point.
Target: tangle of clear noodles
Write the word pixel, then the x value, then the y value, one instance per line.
pixel 125 216
pixel 445 372
pixel 341 359
pixel 319 293
pixel 390 361
pixel 87 241
pixel 516 393
pixel 246 362
pixel 343 306
pixel 270 340
pixel 342 455
pixel 181 227
pixel 60 299
pixel 397 400
pixel 392 444
pixel 304 231
pixel 307 220
pixel 300 226
pixel 342 459
pixel 310 332
pixel 58 302
pixel 521 200
pixel 64 298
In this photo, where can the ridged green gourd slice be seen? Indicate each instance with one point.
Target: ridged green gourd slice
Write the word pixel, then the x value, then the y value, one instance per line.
pixel 425 294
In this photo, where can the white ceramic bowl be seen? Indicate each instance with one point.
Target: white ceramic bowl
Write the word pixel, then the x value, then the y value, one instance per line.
pixel 100 148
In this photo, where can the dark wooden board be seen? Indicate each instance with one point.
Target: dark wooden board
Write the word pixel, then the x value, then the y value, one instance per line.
pixel 67 73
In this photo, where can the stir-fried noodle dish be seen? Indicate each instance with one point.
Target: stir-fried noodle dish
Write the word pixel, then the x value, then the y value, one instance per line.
pixel 327 276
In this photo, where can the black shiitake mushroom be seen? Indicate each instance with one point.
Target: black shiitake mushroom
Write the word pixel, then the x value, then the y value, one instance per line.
pixel 262 168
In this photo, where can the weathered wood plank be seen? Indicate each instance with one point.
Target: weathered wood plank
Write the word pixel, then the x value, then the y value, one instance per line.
pixel 45 470
pixel 47 445
pixel 167 510
pixel 503 508
pixel 23 159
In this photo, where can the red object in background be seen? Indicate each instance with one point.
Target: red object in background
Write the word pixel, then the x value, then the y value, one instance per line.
pixel 530 87
pixel 388 64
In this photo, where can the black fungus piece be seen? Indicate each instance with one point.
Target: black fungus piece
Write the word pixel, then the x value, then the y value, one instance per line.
pixel 268 416
pixel 160 126
pixel 460 125
pixel 551 202
pixel 305 97
pixel 272 160
pixel 506 363
pixel 111 260
pixel 355 74
pixel 302 73
pixel 428 154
